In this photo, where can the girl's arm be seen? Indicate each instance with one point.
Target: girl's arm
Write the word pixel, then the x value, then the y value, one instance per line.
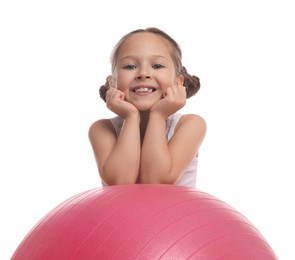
pixel 118 159
pixel 162 162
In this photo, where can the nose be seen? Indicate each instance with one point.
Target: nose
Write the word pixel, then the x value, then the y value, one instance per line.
pixel 143 74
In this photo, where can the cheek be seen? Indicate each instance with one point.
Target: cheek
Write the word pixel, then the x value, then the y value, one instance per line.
pixel 168 83
pixel 122 81
pixel 121 85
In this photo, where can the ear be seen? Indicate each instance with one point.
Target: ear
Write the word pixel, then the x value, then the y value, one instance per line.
pixel 180 80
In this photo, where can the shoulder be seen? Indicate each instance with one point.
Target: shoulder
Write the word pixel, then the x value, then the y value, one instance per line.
pixel 191 125
pixel 100 123
pixel 101 126
pixel 192 120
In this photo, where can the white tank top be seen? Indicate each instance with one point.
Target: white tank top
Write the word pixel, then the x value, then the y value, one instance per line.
pixel 189 175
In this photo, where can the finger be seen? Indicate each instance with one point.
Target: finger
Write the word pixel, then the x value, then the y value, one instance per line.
pixel 117 94
pixel 184 91
pixel 169 92
pixel 109 93
pixel 178 90
pixel 173 89
pixel 112 92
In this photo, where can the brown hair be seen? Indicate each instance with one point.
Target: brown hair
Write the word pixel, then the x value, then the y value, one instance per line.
pixel 191 82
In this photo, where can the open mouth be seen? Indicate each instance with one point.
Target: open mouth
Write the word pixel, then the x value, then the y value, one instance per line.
pixel 144 90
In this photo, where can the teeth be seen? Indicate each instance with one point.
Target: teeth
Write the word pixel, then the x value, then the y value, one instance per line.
pixel 143 90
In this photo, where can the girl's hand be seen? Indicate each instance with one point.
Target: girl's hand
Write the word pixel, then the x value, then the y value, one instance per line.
pixel 173 99
pixel 116 103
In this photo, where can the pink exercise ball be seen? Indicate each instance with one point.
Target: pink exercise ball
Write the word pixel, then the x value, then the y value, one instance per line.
pixel 144 221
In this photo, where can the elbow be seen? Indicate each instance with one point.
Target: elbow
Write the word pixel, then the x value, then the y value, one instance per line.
pixel 117 181
pixel 158 179
pixel 162 173
pixel 113 183
pixel 110 178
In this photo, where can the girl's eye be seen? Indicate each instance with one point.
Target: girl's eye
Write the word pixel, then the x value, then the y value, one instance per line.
pixel 158 66
pixel 129 67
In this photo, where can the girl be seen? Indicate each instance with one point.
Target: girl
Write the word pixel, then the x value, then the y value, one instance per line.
pixel 148 141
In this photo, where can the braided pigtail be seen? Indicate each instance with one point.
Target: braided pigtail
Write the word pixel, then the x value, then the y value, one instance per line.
pixel 191 83
pixel 103 90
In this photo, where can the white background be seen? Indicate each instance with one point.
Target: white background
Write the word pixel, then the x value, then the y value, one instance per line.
pixel 54 55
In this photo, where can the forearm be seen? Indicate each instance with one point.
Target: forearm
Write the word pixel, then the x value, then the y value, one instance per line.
pixel 122 165
pixel 156 162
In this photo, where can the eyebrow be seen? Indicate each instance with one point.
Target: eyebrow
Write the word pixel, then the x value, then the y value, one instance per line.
pixel 134 57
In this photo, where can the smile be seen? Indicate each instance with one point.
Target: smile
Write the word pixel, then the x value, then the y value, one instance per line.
pixel 144 90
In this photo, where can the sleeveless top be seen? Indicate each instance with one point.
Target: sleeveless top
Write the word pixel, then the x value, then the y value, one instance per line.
pixel 189 175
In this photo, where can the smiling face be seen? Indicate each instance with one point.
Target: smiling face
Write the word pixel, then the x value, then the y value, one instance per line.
pixel 144 69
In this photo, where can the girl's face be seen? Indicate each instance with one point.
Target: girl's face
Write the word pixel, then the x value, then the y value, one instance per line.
pixel 144 70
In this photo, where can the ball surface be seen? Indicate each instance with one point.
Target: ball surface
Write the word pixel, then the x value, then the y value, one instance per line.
pixel 144 222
